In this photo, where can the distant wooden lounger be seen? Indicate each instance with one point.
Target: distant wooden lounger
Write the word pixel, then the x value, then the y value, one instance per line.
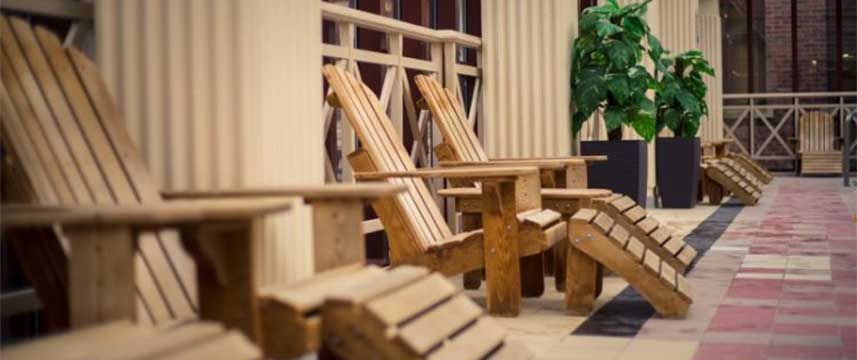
pixel 724 173
pixel 817 144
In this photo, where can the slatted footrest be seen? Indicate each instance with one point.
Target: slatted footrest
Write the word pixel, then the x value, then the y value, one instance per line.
pixel 634 220
pixel 742 171
pixel 409 313
pixel 123 340
pixel 291 314
pixel 731 181
pixel 596 235
pixel 754 167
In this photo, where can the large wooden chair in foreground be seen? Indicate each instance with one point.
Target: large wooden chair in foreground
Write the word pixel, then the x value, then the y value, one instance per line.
pixel 564 190
pixel 817 144
pixel 64 145
pixel 382 150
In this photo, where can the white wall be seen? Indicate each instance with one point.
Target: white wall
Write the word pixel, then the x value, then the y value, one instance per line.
pixel 526 63
pixel 223 94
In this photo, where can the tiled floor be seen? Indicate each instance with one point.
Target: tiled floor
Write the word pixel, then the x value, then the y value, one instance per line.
pixel 779 283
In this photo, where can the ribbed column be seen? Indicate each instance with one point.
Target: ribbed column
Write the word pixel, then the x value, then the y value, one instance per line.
pixel 710 42
pixel 526 61
pixel 223 94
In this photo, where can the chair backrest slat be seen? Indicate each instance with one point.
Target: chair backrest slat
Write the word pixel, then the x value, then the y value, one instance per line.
pixel 63 109
pixel 816 132
pixel 451 120
pixel 381 142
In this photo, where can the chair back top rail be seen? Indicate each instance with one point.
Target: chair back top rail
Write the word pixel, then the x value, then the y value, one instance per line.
pixel 62 125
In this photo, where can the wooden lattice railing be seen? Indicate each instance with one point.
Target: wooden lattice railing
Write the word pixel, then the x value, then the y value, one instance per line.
pixel 445 62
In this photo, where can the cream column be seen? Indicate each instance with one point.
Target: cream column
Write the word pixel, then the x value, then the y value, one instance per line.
pixel 526 59
pixel 222 94
pixel 709 35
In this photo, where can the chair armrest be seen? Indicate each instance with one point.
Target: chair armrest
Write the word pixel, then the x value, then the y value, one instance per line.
pixel 549 194
pixel 140 216
pixel 547 165
pixel 586 158
pixel 479 173
pixel 310 193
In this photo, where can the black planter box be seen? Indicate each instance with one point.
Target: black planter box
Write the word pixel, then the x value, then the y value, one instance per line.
pixel 677 169
pixel 626 168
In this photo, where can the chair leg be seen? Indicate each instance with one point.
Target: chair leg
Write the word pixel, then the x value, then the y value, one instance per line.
pixel 473 279
pixel 559 252
pixel 502 265
pixel 715 193
pixel 581 282
pixel 532 275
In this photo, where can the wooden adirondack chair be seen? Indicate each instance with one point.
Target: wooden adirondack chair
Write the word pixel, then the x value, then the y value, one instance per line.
pixel 417 230
pixel 383 151
pixel 462 146
pixel 724 173
pixel 817 144
pixel 64 145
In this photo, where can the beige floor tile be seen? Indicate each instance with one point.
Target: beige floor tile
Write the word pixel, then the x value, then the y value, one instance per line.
pixel 765 261
pixel 806 262
pixel 659 349
pixel 809 276
pixel 737 337
pixel 806 340
pixel 763 276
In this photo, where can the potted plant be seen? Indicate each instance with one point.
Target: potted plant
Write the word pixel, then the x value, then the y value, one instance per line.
pixel 680 100
pixel 607 75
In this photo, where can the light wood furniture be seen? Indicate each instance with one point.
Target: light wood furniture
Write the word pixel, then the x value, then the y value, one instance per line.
pixel 595 234
pixel 817 144
pixel 752 166
pixel 410 313
pixel 64 145
pixel 724 173
pixel 462 146
pixel 514 224
pixel 125 340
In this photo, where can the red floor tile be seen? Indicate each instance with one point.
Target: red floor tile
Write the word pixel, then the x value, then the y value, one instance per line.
pixel 717 351
pixel 742 318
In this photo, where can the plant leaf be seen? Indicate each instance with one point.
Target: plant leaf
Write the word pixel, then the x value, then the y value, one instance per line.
pixel 621 55
pixel 614 118
pixel 643 120
pixel 619 87
pixel 606 29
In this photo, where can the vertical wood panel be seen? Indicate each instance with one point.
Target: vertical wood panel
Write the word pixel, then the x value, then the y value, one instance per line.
pixel 220 94
pixel 527 49
pixel 710 42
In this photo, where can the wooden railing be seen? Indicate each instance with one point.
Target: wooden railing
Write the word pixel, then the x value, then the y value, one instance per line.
pixel 397 95
pixel 762 123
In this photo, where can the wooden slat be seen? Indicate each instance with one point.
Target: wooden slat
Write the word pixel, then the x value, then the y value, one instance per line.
pixel 667 274
pixel 308 296
pixel 636 248
pixel 661 235
pixel 635 214
pixel 438 324
pixel 603 222
pixel 620 235
pixel 411 300
pixel 648 225
pixel 623 203
pixel 585 215
pixel 652 262
pixel 687 254
pixel 229 346
pixel 683 287
pixel 674 245
pixel 511 351
pixel 393 279
pixel 473 343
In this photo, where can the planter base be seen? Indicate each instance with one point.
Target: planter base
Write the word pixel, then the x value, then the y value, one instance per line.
pixel 626 168
pixel 677 161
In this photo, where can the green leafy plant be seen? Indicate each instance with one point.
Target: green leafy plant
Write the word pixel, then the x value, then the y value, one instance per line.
pixel 607 72
pixel 680 92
